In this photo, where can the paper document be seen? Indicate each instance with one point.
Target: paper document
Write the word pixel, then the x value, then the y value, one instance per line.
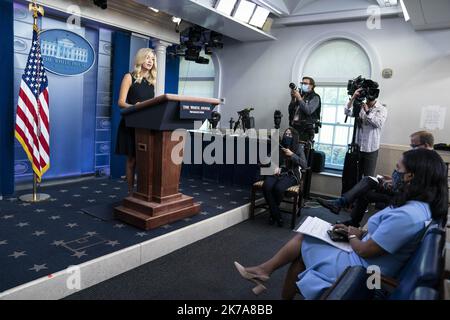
pixel 317 228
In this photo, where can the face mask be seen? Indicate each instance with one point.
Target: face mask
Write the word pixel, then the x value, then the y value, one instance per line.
pixel 305 88
pixel 398 179
pixel 286 142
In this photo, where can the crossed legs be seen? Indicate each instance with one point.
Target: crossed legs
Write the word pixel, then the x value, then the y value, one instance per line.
pixel 289 253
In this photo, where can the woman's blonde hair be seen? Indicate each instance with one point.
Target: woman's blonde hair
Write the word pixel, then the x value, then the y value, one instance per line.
pixel 139 60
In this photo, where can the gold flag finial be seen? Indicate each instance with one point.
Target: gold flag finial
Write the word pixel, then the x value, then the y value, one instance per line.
pixel 38 11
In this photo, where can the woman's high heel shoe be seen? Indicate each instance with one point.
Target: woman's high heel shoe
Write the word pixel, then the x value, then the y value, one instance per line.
pixel 257 279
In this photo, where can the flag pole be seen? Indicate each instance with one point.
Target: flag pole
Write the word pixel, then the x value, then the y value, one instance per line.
pixel 35 196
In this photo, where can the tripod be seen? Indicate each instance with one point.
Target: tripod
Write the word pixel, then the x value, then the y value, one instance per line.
pixel 351 173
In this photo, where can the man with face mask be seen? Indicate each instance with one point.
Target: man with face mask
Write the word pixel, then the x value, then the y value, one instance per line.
pixel 304 109
pixel 380 190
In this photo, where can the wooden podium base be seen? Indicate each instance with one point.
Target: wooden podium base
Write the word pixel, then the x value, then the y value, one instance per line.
pixel 149 215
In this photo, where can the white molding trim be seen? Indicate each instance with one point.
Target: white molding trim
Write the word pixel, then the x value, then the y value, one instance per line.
pixel 304 53
pixel 398 147
pixel 337 16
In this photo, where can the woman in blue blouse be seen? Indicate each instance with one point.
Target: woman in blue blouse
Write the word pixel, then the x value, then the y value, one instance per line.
pixel 393 234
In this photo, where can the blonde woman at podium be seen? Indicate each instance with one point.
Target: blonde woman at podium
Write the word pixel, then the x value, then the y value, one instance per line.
pixel 137 86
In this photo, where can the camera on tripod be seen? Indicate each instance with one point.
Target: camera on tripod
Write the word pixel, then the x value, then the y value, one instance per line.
pixel 245 122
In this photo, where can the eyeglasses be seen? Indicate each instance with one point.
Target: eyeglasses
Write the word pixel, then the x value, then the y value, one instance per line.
pixel 306 83
pixel 415 146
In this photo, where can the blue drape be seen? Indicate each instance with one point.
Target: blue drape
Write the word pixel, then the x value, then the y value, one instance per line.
pixel 172 74
pixel 120 64
pixel 6 98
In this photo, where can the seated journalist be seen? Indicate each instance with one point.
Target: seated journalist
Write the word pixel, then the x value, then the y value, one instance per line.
pixel 393 234
pixel 292 159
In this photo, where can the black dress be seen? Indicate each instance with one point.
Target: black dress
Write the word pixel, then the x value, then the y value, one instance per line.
pixel 139 92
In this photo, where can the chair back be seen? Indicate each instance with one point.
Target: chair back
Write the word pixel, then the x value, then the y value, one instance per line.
pixel 424 268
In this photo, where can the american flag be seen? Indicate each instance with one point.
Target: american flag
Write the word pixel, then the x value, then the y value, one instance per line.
pixel 32 119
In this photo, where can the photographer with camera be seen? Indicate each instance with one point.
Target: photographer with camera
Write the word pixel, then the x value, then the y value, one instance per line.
pixel 305 109
pixel 370 116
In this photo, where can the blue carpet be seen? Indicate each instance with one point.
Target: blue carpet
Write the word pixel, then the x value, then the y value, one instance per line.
pixel 37 240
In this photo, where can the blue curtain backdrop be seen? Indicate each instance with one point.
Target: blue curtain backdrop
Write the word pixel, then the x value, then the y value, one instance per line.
pixel 6 98
pixel 121 60
pixel 172 74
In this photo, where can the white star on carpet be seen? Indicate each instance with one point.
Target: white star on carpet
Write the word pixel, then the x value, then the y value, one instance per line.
pixel 58 243
pixel 38 268
pixel 7 217
pixel 219 207
pixel 17 255
pixel 26 204
pixel 39 233
pixel 112 243
pixel 76 195
pixel 91 200
pixel 79 254
pixel 22 224
pixel 72 225
pixel 204 213
pixel 55 217
pixel 91 233
pixel 67 205
pixel 53 199
pixel 63 191
pixel 84 188
pixel 141 234
pixel 3 242
pixel 113 196
pixel 119 225
pixel 39 210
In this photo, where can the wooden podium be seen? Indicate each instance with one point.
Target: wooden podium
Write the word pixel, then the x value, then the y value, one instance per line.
pixel 157 200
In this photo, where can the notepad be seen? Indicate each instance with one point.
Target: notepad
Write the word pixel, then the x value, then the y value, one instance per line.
pixel 317 228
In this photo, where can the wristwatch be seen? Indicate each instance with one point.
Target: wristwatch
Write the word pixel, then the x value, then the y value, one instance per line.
pixel 352 237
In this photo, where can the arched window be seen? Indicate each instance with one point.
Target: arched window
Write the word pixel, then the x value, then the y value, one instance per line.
pixel 198 80
pixel 332 64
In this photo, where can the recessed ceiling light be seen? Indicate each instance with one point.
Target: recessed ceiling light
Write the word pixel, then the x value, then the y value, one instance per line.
pixel 244 10
pixel 225 6
pixel 259 17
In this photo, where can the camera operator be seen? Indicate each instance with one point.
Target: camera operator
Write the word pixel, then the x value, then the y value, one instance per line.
pixel 371 120
pixel 304 109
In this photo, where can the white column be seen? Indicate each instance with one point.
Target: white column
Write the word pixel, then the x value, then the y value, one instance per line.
pixel 160 50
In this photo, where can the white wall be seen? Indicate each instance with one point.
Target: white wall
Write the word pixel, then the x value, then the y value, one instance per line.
pixel 258 74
